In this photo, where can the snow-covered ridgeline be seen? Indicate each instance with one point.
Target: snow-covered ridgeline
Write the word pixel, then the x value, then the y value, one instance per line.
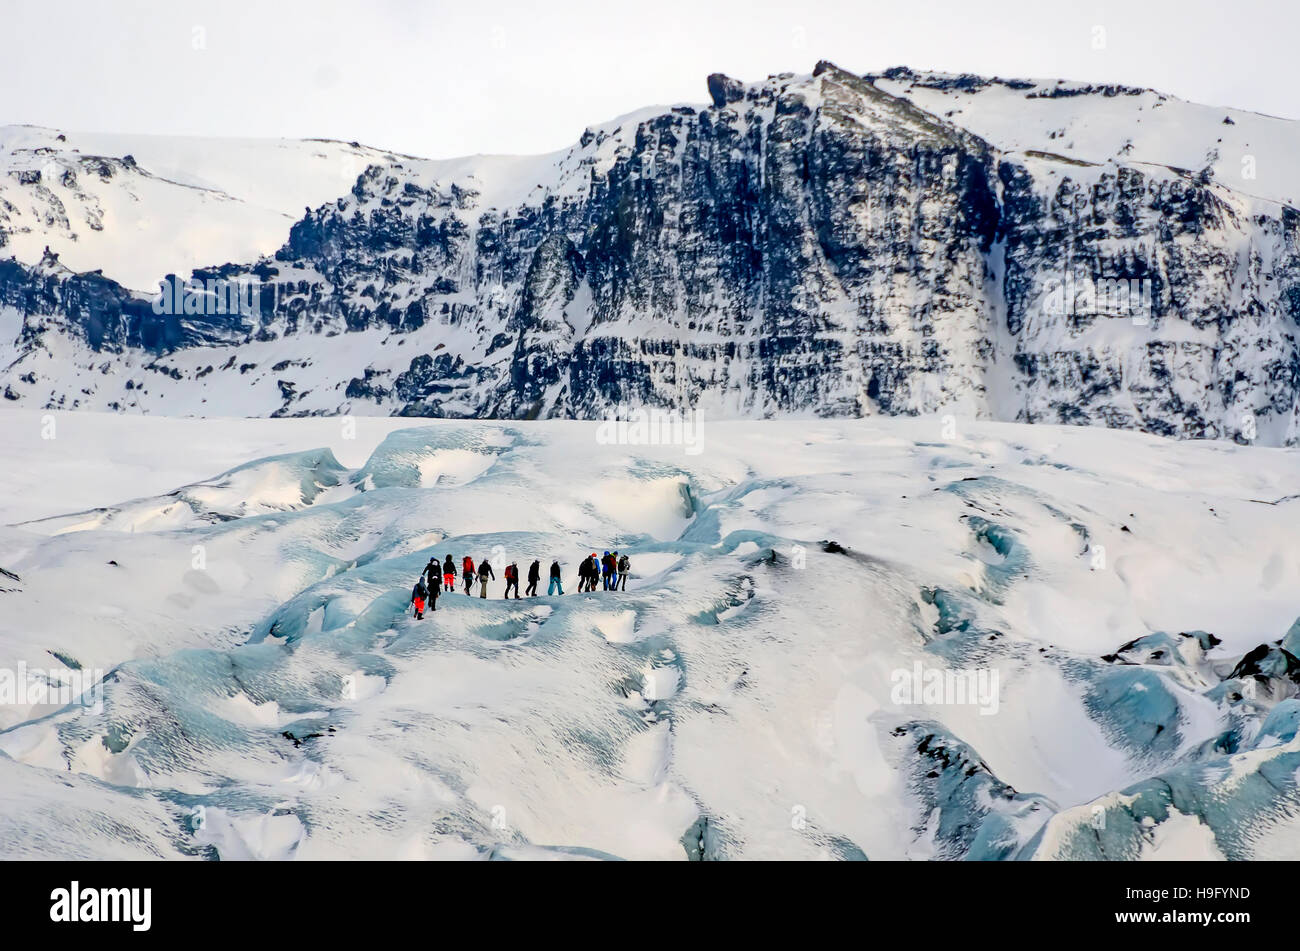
pixel 825 245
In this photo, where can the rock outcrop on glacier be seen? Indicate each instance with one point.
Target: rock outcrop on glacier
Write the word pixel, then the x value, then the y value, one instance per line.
pixel 830 244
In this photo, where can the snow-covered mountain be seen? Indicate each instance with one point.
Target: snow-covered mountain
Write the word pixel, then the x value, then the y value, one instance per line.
pixel 829 244
pixel 1121 610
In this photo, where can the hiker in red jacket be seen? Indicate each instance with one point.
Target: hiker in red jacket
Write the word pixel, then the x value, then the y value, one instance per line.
pixel 512 579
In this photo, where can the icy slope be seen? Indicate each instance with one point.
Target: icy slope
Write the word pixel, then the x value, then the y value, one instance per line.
pixel 270 696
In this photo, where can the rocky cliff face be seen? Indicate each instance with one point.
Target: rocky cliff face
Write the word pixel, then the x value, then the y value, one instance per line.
pixel 810 244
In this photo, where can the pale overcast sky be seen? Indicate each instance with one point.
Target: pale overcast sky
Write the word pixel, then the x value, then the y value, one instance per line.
pixel 451 78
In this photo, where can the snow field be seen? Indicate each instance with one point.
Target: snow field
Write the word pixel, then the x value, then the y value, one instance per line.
pixel 268 695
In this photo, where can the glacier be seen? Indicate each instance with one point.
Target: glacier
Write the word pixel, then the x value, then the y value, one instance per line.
pixel 264 693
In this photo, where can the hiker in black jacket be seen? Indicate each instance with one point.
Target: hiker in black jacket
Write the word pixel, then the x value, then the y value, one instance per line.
pixel 418 594
pixel 534 576
pixel 484 573
pixel 556 584
pixel 433 584
pixel 624 566
pixel 587 573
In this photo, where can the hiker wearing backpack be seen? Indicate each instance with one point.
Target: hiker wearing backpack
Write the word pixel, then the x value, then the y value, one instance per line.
pixel 624 566
pixel 418 594
pixel 512 579
pixel 588 573
pixel 468 566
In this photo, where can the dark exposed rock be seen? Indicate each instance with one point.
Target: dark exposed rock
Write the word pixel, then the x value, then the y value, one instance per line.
pixel 724 90
pixel 802 245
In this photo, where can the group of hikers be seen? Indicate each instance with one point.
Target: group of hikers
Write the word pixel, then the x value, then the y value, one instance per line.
pixel 610 570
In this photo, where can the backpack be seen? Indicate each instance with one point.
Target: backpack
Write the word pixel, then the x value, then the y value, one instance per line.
pixel 623 565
